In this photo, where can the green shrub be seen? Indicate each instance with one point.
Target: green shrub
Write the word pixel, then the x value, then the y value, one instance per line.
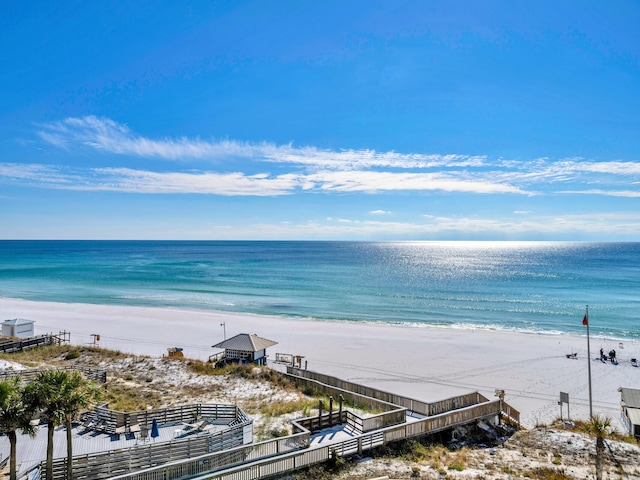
pixel 72 354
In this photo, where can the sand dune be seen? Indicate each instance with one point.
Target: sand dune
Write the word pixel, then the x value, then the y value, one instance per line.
pixel 427 363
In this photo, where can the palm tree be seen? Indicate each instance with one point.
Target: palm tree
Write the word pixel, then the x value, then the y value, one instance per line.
pixel 599 426
pixel 15 415
pixel 59 395
pixel 78 394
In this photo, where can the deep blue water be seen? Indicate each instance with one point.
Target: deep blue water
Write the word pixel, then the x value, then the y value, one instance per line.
pixel 528 286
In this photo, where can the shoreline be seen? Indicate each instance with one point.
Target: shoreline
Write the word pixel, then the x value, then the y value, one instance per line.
pixel 428 364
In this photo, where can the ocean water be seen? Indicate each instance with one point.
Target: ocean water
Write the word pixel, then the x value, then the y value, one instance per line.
pixel 540 287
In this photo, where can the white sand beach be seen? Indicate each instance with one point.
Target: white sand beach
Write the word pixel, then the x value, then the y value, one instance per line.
pixel 426 363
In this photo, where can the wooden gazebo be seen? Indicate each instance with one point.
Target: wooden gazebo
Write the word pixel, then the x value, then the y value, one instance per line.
pixel 245 348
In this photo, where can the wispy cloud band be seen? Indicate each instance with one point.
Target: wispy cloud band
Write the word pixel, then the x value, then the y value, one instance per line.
pixel 109 136
pixel 304 169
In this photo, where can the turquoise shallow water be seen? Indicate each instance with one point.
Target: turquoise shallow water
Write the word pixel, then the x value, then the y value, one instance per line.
pixel 526 286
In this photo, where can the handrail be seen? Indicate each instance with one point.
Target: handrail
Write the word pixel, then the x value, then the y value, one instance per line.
pixel 215 461
pixel 388 398
pixel 281 455
pixel 21 344
pixel 168 415
pixel 296 460
pixel 118 462
pixel 30 373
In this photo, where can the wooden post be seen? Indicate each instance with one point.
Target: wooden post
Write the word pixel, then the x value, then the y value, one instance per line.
pixel 320 414
pixel 330 411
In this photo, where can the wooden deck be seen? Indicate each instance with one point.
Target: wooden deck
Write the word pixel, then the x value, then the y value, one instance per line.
pixel 101 453
pixel 315 439
pixel 352 435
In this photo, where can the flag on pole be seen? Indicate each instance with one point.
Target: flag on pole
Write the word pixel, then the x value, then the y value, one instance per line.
pixel 585 320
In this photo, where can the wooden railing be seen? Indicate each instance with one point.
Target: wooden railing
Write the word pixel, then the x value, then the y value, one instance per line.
pixel 225 414
pixel 316 382
pixel 287 463
pixel 29 374
pixel 317 423
pixel 391 414
pixel 223 457
pixel 118 462
pixel 423 408
pixel 222 460
pixel 510 414
pixel 21 344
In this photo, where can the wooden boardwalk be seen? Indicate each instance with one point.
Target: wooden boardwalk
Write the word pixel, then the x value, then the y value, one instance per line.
pixel 101 453
pixel 350 436
pixel 315 439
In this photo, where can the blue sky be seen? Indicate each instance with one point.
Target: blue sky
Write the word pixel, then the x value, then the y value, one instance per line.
pixel 425 120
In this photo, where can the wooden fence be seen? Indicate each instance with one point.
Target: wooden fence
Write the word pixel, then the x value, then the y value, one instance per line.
pixel 323 384
pixel 28 374
pixel 375 430
pixel 118 462
pixel 222 460
pixel 423 408
pixel 287 463
pixel 223 414
pixel 319 422
pixel 391 414
pixel 21 344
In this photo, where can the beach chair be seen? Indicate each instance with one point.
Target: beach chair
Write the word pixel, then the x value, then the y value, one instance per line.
pixel 144 433
pixel 88 424
pixel 100 426
pixel 191 427
pixel 203 427
pixel 134 426
pixel 120 424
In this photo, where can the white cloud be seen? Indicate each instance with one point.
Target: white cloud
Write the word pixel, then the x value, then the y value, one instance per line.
pixel 554 227
pixel 361 159
pixel 311 169
pixel 141 181
pixel 379 212
pixel 608 193
pixel 123 179
pixel 371 182
pixel 237 183
pixel 110 136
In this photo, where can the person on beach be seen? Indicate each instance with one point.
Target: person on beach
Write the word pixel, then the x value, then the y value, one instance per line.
pixel 602 357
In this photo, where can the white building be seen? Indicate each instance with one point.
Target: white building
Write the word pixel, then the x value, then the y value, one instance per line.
pixel 245 348
pixel 18 327
pixel 630 404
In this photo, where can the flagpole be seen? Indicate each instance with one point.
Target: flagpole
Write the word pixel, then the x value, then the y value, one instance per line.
pixel 586 317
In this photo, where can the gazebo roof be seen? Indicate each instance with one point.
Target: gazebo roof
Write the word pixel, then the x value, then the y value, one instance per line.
pixel 246 343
